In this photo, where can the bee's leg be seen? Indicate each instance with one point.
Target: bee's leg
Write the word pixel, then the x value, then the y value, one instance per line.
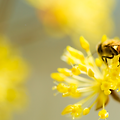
pixel 110 57
pixel 106 61
pixel 104 58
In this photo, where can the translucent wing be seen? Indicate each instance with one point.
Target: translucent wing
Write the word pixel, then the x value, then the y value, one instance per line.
pixel 109 43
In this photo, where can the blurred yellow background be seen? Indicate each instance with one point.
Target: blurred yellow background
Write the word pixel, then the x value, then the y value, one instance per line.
pixel 89 18
pixel 41 45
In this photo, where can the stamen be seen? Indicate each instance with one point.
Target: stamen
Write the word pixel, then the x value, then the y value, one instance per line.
pixel 62 88
pixel 55 94
pixel 93 103
pixel 75 110
pixel 75 70
pixel 104 38
pixel 58 77
pixel 84 44
pixel 86 89
pixel 64 71
pixel 54 87
pixel 83 68
pixel 66 94
pixel 86 111
pixel 103 114
pixel 86 99
pixel 75 53
pixel 70 60
pixel 56 83
pixel 90 73
pixel 82 79
pixel 98 62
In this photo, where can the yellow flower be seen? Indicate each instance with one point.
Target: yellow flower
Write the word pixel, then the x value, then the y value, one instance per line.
pixel 13 72
pixel 76 17
pixel 90 80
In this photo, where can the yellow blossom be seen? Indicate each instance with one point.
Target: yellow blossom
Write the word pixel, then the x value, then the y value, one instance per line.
pixel 90 18
pixel 13 72
pixel 99 81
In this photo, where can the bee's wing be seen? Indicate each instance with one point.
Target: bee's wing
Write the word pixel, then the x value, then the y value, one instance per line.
pixel 115 43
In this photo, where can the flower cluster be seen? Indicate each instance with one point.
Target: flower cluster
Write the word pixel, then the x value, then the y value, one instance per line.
pixel 13 72
pixel 88 79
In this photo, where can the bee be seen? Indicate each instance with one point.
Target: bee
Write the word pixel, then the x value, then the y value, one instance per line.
pixel 109 49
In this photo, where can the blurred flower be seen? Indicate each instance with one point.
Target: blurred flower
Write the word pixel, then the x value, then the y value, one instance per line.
pixel 90 18
pixel 13 72
pixel 90 80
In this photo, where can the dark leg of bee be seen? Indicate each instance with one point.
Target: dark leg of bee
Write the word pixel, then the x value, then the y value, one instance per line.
pixel 110 57
pixel 104 58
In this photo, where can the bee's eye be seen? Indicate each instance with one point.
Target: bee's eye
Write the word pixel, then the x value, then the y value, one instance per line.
pixel 100 49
